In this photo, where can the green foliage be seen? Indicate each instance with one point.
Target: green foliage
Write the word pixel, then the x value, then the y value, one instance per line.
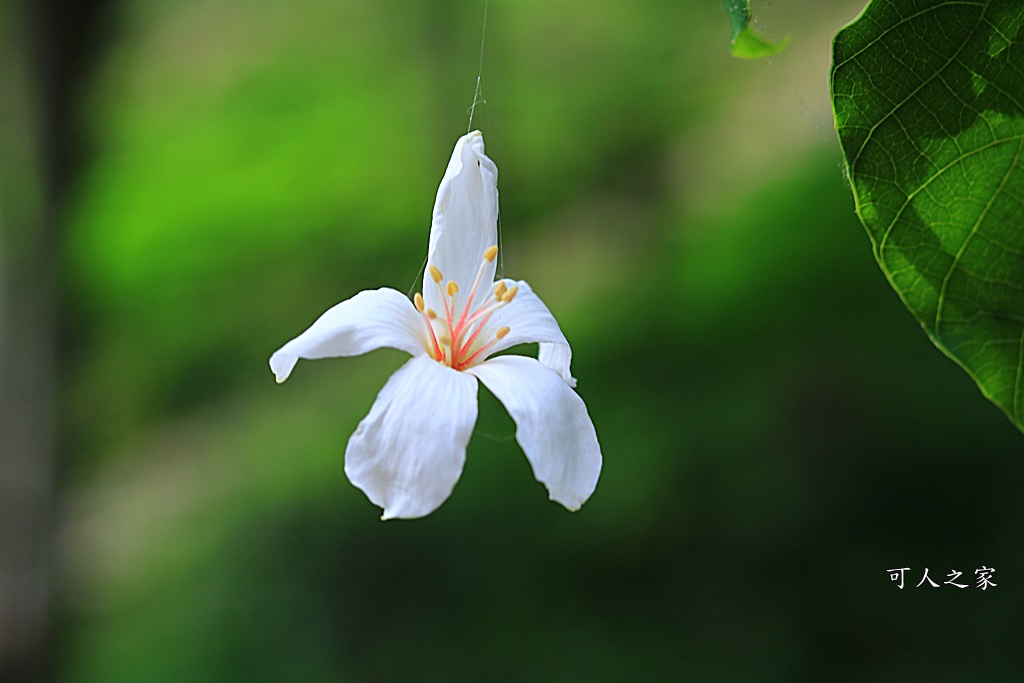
pixel 746 43
pixel 929 105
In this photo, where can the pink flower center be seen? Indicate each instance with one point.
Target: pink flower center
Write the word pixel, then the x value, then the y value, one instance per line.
pixel 454 337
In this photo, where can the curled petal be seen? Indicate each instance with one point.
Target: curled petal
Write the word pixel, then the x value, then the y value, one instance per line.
pixel 552 425
pixel 465 221
pixel 557 357
pixel 372 319
pixel 529 321
pixel 407 453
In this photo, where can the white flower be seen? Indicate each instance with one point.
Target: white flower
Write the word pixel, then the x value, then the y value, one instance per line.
pixel 408 453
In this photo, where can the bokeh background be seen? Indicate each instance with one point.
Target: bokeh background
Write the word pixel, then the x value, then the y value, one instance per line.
pixel 777 430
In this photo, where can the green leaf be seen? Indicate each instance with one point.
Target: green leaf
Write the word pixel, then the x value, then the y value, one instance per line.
pixel 929 104
pixel 746 44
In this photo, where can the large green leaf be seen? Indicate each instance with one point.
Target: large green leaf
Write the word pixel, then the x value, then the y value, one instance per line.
pixel 929 106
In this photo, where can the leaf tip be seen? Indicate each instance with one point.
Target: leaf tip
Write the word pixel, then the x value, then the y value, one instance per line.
pixel 749 45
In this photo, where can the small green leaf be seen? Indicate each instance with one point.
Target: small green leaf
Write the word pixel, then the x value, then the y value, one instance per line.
pixel 929 105
pixel 746 44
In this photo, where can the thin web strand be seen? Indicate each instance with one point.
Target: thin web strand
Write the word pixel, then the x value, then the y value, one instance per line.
pixel 478 98
pixel 478 92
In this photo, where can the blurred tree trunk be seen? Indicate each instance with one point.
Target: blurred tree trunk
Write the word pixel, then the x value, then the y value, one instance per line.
pixel 42 53
pixel 27 305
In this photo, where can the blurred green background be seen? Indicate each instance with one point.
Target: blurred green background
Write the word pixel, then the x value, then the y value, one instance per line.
pixel 777 430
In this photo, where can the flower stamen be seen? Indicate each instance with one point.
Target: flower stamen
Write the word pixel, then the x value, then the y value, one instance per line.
pixel 486 347
pixel 489 254
pixel 436 352
pixel 472 338
pixel 436 276
pixel 455 343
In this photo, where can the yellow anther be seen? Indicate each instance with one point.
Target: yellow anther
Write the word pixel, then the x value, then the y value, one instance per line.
pixel 431 313
pixel 435 273
pixel 510 294
pixel 490 253
pixel 499 289
pixel 418 300
pixel 502 332
pixel 444 339
pixel 452 288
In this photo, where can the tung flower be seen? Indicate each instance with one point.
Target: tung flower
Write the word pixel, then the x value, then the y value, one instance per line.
pixel 408 452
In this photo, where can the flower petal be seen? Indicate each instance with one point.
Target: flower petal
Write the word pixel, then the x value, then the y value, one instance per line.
pixel 408 452
pixel 465 222
pixel 529 321
pixel 552 425
pixel 557 357
pixel 372 319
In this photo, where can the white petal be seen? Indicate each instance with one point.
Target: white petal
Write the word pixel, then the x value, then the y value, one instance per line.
pixel 372 319
pixel 529 321
pixel 465 222
pixel 557 357
pixel 552 425
pixel 408 453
